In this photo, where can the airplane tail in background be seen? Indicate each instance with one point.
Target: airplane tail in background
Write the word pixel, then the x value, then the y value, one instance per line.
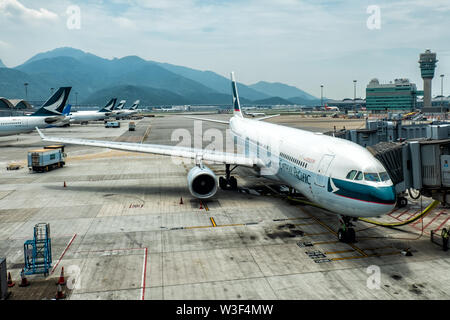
pixel 236 104
pixel 109 106
pixel 121 105
pixel 66 110
pixel 135 105
pixel 54 105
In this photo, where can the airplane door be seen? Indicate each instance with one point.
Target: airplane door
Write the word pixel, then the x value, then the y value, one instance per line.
pixel 322 170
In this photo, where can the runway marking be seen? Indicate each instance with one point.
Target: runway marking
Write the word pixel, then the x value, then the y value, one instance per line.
pixel 440 226
pixel 64 252
pixel 144 264
pixel 367 256
pixel 433 219
pixel 316 234
pixel 213 222
pixel 336 252
pixel 144 274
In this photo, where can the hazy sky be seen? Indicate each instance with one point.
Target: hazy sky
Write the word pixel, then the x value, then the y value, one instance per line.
pixel 304 43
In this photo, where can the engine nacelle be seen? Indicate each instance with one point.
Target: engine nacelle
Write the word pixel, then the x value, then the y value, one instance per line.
pixel 202 182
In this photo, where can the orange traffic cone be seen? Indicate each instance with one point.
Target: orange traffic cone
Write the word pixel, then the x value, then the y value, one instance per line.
pixel 181 200
pixel 10 282
pixel 59 293
pixel 24 282
pixel 61 280
pixel 65 186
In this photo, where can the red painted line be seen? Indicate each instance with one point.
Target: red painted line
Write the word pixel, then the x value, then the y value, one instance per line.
pixel 413 214
pixel 433 219
pixel 402 213
pixel 440 226
pixel 64 252
pixel 144 275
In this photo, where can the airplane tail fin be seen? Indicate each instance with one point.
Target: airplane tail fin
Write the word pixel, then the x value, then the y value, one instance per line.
pixel 109 106
pixel 135 105
pixel 66 110
pixel 121 105
pixel 236 104
pixel 54 105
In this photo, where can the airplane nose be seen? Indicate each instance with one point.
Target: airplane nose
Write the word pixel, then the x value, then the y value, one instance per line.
pixel 385 195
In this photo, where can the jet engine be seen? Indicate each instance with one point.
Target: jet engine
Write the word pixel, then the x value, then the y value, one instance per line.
pixel 202 182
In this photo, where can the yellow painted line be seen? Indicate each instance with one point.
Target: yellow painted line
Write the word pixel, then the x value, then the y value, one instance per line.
pixel 366 256
pixel 304 224
pixel 316 234
pixel 336 252
pixel 232 225
pixel 358 249
pixel 197 227
pixel 326 242
pixel 387 247
pixel 213 222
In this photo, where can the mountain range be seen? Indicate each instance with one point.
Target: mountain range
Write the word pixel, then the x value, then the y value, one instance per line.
pixel 96 79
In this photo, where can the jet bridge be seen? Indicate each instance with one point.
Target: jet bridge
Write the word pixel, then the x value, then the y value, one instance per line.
pixel 421 164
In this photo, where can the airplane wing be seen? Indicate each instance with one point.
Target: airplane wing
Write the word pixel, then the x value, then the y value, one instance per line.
pixel 210 120
pixel 267 117
pixel 176 151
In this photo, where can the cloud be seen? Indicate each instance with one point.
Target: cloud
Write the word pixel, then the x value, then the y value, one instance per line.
pixel 16 10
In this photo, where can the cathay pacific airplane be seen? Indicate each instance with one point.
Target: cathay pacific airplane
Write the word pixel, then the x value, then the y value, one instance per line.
pixel 50 114
pixel 123 113
pixel 85 116
pixel 337 174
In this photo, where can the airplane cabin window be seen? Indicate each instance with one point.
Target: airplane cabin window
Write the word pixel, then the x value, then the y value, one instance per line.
pixel 359 176
pixel 384 176
pixel 370 176
pixel 351 175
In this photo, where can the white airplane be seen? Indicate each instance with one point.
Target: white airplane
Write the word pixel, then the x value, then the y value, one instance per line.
pixel 50 114
pixel 255 114
pixel 336 174
pixel 85 116
pixel 331 108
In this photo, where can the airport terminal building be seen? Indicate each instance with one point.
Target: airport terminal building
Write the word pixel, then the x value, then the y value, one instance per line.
pixel 401 95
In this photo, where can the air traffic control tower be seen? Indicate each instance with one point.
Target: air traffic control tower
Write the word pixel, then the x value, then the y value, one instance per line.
pixel 427 63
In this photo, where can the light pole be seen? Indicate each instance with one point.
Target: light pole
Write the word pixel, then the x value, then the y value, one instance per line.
pixel 354 95
pixel 442 92
pixel 26 90
pixel 76 99
pixel 321 95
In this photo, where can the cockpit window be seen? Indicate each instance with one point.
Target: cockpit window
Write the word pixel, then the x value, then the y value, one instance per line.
pixel 371 177
pixel 351 175
pixel 359 176
pixel 384 176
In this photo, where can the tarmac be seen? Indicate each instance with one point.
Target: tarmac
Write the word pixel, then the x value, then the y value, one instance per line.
pixel 120 231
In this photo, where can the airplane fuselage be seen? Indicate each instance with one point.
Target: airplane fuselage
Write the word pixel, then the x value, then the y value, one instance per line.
pixel 15 125
pixel 337 174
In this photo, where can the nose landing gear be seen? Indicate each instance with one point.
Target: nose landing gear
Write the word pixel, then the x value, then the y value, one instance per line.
pixel 346 233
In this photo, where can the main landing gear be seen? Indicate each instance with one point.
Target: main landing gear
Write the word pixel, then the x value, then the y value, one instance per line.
pixel 346 233
pixel 228 182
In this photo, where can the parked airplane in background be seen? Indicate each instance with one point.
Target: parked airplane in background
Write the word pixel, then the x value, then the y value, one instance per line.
pixel 123 113
pixel 50 114
pixel 103 113
pixel 254 114
pixel 335 173
pixel 331 108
